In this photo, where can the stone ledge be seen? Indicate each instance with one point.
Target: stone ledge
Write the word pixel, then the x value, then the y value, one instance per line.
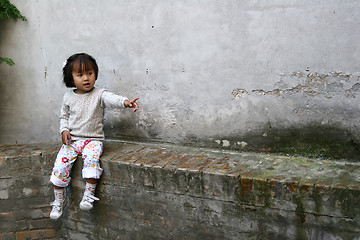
pixel 286 183
pixel 208 193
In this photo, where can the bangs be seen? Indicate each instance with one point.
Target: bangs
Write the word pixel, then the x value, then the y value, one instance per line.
pixel 83 65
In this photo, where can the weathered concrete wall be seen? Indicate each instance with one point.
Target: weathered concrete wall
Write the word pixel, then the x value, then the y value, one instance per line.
pixel 25 193
pixel 252 73
pixel 170 192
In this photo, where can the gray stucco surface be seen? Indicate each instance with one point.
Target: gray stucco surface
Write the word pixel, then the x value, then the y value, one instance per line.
pixel 232 74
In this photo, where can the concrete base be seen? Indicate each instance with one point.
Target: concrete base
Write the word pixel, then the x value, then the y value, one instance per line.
pixel 158 191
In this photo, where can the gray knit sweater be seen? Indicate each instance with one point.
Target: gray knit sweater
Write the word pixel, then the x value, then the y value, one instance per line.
pixel 82 115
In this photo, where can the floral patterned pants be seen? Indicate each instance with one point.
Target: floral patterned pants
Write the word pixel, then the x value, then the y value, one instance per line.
pixel 91 151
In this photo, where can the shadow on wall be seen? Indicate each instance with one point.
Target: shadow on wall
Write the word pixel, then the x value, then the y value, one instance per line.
pixel 314 141
pixel 310 140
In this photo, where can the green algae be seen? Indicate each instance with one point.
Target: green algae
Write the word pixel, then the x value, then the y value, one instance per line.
pixel 317 200
pixel 312 141
pixel 300 213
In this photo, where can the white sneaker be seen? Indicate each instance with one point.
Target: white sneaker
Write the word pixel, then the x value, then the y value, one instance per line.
pixel 57 209
pixel 87 201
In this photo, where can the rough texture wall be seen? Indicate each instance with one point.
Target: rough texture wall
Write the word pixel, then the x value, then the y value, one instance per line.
pixel 253 75
pixel 157 192
pixel 25 193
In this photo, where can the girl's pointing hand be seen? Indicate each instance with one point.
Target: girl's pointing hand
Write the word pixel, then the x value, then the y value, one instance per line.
pixel 132 104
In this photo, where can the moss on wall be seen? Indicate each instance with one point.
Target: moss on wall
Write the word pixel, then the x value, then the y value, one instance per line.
pixel 313 141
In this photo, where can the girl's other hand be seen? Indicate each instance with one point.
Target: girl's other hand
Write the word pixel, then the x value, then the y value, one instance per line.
pixel 66 137
pixel 132 104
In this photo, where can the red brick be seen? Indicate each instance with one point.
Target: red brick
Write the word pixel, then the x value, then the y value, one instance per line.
pixel 36 234
pixel 6 216
pixel 246 186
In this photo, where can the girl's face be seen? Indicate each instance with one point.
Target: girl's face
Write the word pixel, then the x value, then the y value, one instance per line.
pixel 84 80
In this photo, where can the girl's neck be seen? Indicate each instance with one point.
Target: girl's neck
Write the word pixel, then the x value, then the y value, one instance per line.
pixel 81 92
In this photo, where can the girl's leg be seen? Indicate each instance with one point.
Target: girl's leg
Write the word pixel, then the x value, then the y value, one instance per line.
pixel 91 180
pixel 60 178
pixel 91 185
pixel 91 171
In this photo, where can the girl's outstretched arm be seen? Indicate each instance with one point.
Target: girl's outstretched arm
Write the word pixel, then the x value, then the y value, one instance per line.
pixel 132 104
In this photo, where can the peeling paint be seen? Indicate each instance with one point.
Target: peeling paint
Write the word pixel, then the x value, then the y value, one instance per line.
pixel 242 144
pixel 238 93
pixel 226 143
pixel 45 73
pixel 311 84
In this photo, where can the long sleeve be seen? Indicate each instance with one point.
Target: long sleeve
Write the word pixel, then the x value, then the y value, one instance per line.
pixel 64 116
pixel 82 115
pixel 112 100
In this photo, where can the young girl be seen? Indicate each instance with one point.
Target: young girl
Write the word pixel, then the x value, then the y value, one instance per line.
pixel 81 127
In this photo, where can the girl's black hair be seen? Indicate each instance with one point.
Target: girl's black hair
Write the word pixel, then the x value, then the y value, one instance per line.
pixel 81 61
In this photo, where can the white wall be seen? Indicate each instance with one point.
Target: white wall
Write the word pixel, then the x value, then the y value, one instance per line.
pixel 205 70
